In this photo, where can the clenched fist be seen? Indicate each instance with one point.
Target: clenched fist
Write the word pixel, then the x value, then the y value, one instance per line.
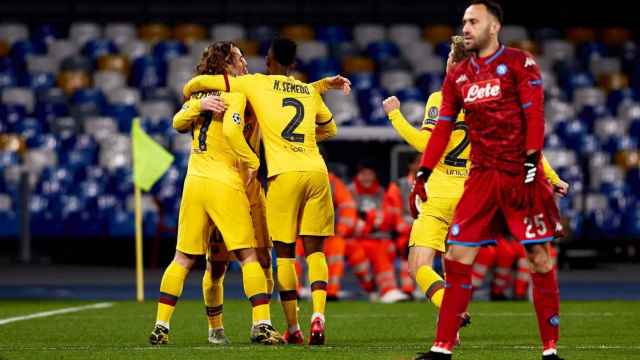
pixel 391 103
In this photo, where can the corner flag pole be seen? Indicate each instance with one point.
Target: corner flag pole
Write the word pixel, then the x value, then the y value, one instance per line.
pixel 139 268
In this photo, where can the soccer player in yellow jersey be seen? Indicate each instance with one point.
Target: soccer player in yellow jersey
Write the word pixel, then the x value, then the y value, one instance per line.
pixel 213 182
pixel 445 185
pixel 226 57
pixel 292 118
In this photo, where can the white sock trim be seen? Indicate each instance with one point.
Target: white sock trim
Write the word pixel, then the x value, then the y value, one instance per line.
pixel 440 350
pixel 550 352
pixel 315 315
pixel 267 322
pixel 162 323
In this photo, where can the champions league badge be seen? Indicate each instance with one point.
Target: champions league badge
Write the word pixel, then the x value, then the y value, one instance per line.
pixel 501 69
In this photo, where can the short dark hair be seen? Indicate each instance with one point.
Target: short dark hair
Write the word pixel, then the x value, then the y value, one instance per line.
pixel 493 7
pixel 284 51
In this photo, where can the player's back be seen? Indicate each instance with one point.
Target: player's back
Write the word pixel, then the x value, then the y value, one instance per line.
pixel 211 155
pixel 452 170
pixel 287 110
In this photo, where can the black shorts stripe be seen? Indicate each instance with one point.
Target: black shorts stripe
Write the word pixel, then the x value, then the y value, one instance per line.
pixel 319 285
pixel 259 299
pixel 214 310
pixel 288 295
pixel 168 299
pixel 433 288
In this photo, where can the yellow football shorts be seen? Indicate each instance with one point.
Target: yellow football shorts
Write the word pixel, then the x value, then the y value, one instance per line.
pixel 299 203
pixel 206 201
pixel 432 225
pixel 218 250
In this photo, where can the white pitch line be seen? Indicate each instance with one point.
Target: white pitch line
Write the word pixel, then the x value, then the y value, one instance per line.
pixel 103 305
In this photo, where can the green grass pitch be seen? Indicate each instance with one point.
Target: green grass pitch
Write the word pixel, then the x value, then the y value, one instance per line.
pixel 355 330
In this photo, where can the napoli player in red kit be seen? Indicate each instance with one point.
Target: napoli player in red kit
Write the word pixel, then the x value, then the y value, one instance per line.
pixel 500 90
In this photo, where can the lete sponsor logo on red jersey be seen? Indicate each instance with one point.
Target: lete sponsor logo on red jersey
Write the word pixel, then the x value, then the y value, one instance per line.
pixel 482 91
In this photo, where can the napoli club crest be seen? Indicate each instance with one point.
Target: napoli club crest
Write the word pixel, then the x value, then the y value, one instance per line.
pixel 501 69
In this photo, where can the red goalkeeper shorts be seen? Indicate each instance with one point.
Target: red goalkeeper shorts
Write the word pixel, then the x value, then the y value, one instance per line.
pixel 490 207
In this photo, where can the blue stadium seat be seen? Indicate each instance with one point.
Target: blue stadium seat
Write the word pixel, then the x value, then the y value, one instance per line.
pixel 123 114
pixel 617 97
pixel 363 80
pixel 159 94
pixel 585 52
pixel 319 68
pixel 95 48
pixel 632 178
pixel 411 93
pixel 631 220
pixel 617 143
pixel 45 33
pixel 381 50
pixel 634 129
pixel 370 101
pixel 30 127
pixel 89 101
pixel 332 34
pixel 571 133
pixel 430 81
pixel 166 50
pixel 20 49
pixel 7 78
pixel 121 224
pixel 11 114
pixel 47 111
pixel 147 72
pixel 40 81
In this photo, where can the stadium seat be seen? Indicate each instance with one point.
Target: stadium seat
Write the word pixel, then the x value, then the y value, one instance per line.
pixel 168 49
pixel 608 127
pixel 123 114
pixel 344 108
pixel 61 49
pixel 394 81
pixel 413 111
pixel 181 144
pixel 513 33
pixel 352 64
pixel 182 64
pixel 196 48
pixel 227 32
pixel 42 63
pixel 89 98
pixel 64 124
pixel 100 127
pixel 125 95
pixel 154 32
pixel 82 32
pixel 365 34
pixel 262 33
pixel 429 82
pixel 111 62
pixel 13 32
pixel 430 64
pixel 332 34
pixel 93 49
pixel 19 96
pixel 107 80
pixel 188 33
pixel 363 80
pixel 310 50
pixel 381 50
pixel 177 80
pixel 40 81
pixel 404 35
pixel 436 34
pixel 147 72
pixel 319 68
pixel 580 35
pixel 298 33
pixel 370 101
pixel 120 33
pixel 115 152
pixel 135 49
pixel 601 66
pixel 157 109
pixel 21 49
pixel 558 50
pixel 616 36
pixel 417 52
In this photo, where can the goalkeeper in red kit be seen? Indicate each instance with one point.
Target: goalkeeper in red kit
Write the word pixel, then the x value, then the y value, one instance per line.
pixel 500 90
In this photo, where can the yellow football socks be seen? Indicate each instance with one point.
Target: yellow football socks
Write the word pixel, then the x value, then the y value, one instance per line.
pixel 170 291
pixel 431 284
pixel 213 292
pixel 287 283
pixel 255 287
pixel 318 278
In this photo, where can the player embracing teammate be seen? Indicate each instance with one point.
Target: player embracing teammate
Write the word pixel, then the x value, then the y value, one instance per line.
pixel 500 90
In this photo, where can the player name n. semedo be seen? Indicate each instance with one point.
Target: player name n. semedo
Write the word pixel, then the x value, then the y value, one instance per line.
pixel 290 87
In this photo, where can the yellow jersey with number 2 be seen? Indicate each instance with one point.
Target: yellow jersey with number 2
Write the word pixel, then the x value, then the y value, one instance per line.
pixel 289 113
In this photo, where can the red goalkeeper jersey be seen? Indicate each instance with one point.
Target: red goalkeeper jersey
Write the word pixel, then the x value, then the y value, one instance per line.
pixel 503 101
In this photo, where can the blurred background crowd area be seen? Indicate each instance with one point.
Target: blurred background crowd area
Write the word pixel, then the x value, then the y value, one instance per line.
pixel 69 90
